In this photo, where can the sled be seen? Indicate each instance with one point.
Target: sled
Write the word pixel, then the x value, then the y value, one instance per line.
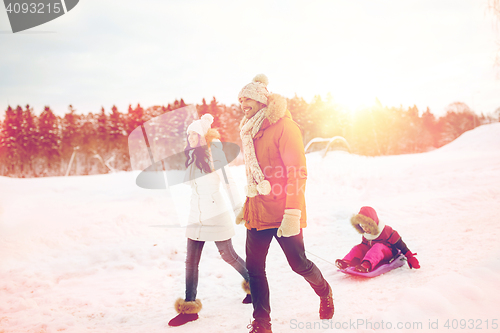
pixel 397 261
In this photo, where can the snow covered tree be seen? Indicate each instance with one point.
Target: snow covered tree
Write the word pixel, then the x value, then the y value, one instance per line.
pixel 299 109
pixel 229 119
pixel 497 114
pixel 49 141
pixel 412 131
pixel 135 118
pixel 116 124
pixel 118 139
pixel 494 7
pixel 9 142
pixel 70 136
pixel 221 121
pixel 202 108
pixel 18 142
pixel 102 131
pixel 459 118
pixel 318 116
pixel 29 137
pixel 215 110
pixel 431 134
pixel 20 151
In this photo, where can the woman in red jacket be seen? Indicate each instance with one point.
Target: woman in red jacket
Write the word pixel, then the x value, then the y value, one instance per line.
pixel 380 242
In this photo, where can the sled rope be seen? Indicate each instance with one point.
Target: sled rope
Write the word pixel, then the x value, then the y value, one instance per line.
pixel 320 258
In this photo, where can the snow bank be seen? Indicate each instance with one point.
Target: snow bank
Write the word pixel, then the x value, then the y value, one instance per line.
pixel 99 254
pixel 483 138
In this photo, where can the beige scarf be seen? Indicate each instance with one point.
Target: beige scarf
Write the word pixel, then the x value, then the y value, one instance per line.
pixel 256 182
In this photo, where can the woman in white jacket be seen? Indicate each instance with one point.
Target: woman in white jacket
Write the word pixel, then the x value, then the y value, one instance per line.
pixel 209 217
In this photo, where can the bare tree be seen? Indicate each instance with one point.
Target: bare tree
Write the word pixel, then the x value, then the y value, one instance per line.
pixel 494 8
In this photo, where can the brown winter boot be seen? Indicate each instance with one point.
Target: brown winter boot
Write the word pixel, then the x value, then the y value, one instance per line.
pixel 365 267
pixel 326 308
pixel 343 264
pixel 187 311
pixel 246 287
pixel 258 328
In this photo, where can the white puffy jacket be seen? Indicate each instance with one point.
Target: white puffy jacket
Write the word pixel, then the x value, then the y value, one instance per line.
pixel 210 218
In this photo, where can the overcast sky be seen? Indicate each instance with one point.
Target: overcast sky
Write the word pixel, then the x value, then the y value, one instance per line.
pixel 424 52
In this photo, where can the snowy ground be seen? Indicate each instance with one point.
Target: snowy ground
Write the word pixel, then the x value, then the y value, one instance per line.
pixel 99 254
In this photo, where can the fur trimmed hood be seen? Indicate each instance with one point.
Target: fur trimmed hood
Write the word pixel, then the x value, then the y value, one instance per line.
pixel 276 108
pixel 212 134
pixel 368 217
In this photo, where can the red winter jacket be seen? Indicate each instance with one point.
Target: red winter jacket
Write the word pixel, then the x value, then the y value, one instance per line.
pixel 390 238
pixel 280 153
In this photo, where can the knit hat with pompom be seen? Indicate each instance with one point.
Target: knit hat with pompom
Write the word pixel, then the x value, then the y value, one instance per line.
pixel 202 125
pixel 256 89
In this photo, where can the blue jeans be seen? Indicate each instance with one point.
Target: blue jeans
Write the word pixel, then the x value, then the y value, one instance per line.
pixel 193 256
pixel 257 246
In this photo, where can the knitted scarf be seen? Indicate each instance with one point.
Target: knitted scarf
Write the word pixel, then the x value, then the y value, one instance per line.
pixel 256 182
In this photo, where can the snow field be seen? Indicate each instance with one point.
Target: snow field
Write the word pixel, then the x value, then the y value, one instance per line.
pixel 99 254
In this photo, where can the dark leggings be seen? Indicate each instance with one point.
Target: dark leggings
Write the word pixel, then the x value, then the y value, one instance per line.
pixel 194 249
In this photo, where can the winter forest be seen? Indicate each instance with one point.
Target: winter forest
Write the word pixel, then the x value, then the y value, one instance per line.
pixel 96 143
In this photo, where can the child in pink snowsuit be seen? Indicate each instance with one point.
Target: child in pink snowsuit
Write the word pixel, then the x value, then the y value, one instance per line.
pixel 379 242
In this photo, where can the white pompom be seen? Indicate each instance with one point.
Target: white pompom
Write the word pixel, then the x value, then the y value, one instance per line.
pixel 208 118
pixel 262 79
pixel 264 187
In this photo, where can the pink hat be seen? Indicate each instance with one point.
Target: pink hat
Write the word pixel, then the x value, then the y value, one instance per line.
pixel 367 217
pixel 369 212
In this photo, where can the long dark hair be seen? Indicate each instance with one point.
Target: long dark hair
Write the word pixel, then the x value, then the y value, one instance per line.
pixel 199 156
